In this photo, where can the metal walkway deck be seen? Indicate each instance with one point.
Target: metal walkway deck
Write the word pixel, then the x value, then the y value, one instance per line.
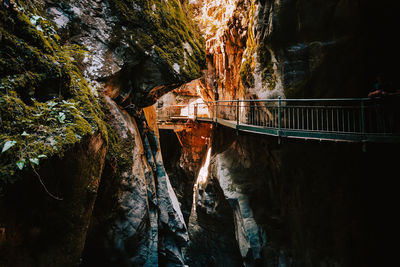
pixel 346 119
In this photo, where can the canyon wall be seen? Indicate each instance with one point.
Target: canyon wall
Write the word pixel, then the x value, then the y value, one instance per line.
pixel 322 48
pixel 82 179
pixel 301 203
pixel 299 49
pixel 207 213
pixel 81 161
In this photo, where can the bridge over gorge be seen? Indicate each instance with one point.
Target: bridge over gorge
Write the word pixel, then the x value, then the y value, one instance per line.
pixel 340 119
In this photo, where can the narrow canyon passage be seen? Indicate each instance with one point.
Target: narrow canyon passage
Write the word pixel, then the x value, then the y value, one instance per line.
pixel 198 133
pixel 296 203
pixel 291 204
pixel 208 214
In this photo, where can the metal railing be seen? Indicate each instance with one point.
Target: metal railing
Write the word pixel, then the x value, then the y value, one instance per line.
pixel 177 112
pixel 343 118
pixel 169 112
pixel 352 119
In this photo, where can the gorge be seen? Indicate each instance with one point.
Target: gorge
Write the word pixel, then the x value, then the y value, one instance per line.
pixel 104 161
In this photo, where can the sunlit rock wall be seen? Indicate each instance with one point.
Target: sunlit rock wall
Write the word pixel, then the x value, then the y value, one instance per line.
pixel 302 204
pixel 295 49
pixel 60 59
pixel 224 25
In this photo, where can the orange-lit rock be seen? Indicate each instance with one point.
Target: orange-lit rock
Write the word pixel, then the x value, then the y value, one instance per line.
pixel 194 139
pixel 226 34
pixel 183 154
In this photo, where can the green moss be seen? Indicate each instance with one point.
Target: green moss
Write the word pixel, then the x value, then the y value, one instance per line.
pixel 264 58
pixel 248 64
pixel 246 73
pixel 163 27
pixel 46 105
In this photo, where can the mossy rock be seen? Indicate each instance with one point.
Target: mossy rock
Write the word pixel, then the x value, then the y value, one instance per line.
pixel 46 105
pixel 246 73
pixel 160 31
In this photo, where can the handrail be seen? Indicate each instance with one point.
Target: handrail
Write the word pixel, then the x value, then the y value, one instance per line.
pixel 294 100
pixel 333 119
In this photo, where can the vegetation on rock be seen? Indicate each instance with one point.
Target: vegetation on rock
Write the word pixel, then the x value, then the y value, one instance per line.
pixel 162 29
pixel 256 51
pixel 248 64
pixel 45 103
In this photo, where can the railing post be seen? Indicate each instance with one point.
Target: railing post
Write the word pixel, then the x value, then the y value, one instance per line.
pixel 216 111
pixel 279 116
pixel 237 116
pixel 237 113
pixel 362 117
pixel 195 111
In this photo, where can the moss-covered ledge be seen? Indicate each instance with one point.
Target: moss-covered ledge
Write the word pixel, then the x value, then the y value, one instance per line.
pixel 46 106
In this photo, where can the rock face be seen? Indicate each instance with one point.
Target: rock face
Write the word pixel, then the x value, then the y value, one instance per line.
pixel 299 204
pixel 211 228
pixel 184 152
pixel 58 62
pixel 206 211
pixel 225 27
pixel 320 48
pixel 142 48
pixel 41 231
pixel 299 49
pixel 137 216
pixel 301 44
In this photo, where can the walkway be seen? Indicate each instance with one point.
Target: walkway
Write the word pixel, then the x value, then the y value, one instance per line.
pixel 346 119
